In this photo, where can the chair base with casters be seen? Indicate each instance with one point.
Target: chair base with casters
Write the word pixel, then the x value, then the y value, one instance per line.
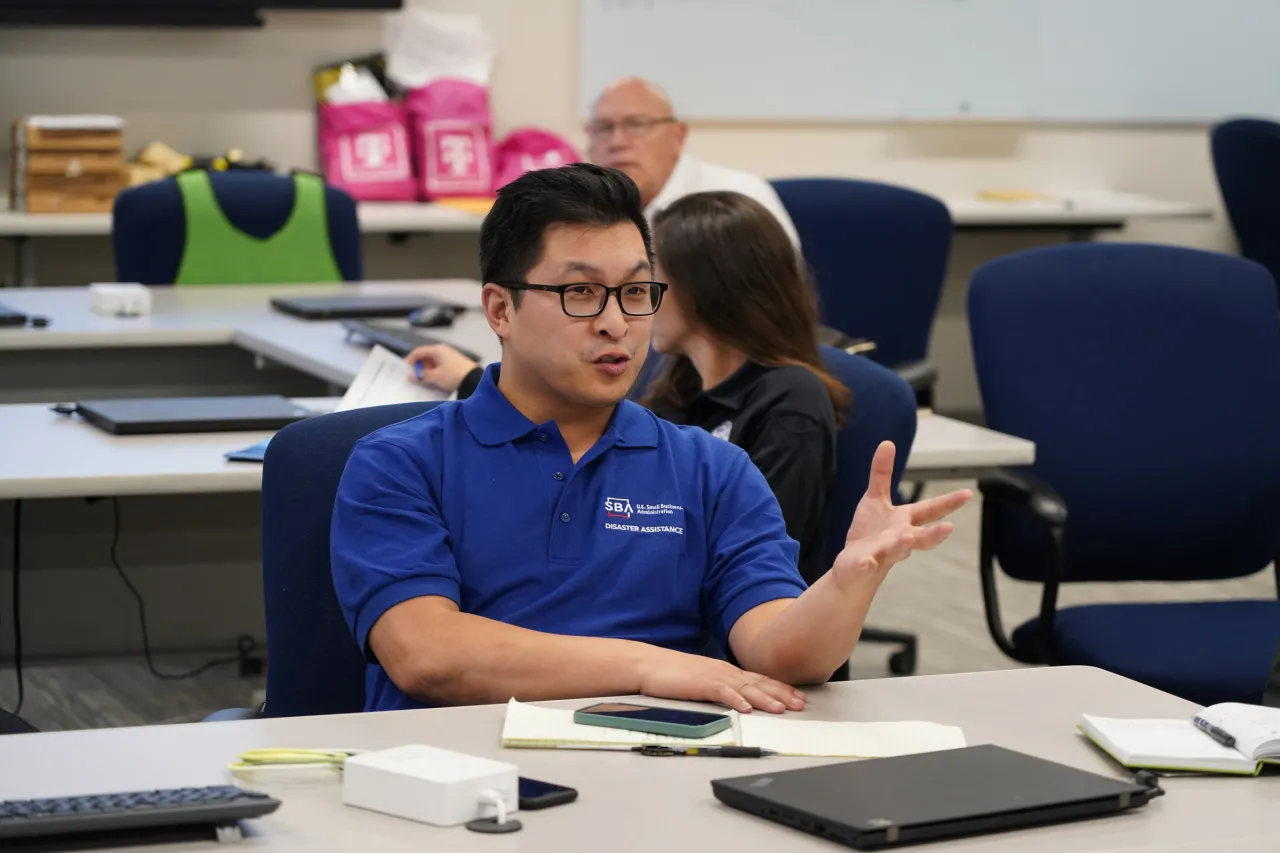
pixel 902 661
pixel 11 724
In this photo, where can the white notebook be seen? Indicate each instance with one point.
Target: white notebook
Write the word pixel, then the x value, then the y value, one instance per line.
pixel 536 727
pixel 1181 746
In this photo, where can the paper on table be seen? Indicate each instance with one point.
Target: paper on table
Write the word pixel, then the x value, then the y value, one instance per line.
pixel 789 736
pixel 533 726
pixel 424 46
pixel 383 380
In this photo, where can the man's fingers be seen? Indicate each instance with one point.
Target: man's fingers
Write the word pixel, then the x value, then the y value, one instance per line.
pixel 784 696
pixel 730 698
pixel 880 483
pixel 938 508
pixel 933 536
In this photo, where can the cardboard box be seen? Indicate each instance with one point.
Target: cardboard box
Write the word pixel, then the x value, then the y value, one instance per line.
pixel 67 164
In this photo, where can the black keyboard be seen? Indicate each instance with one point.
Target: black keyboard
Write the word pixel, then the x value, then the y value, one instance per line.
pixel 215 810
pixel 397 339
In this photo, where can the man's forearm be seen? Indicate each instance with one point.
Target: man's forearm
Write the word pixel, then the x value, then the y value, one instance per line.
pixel 459 659
pixel 811 636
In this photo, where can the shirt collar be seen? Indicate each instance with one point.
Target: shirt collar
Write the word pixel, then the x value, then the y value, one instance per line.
pixel 733 391
pixel 677 185
pixel 493 420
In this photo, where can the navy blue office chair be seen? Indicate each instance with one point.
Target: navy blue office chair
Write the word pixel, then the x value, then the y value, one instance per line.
pixel 1246 159
pixel 149 229
pixel 1149 379
pixel 884 409
pixel 879 258
pixel 313 664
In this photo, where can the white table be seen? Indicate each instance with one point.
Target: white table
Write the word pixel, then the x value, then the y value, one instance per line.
pixel 47 455
pixel 629 803
pixel 45 443
pixel 1080 214
pixel 374 218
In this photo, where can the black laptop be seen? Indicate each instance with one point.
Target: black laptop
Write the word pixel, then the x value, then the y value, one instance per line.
pixel 190 414
pixel 354 305
pixel 399 340
pixel 11 316
pixel 885 802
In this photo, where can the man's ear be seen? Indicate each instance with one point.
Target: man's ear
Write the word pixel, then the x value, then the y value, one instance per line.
pixel 498 307
pixel 682 131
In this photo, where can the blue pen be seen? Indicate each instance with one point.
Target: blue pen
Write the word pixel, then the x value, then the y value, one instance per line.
pixel 417 370
pixel 1214 732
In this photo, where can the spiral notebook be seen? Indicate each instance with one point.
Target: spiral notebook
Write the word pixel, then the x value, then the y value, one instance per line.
pixel 1178 745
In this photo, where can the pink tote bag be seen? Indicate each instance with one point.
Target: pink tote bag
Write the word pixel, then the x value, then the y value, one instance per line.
pixel 364 149
pixel 528 149
pixel 451 135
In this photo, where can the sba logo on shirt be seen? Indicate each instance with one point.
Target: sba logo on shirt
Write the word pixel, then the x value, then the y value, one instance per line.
pixel 617 507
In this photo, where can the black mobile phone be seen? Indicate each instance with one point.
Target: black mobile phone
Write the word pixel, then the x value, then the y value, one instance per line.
pixel 536 795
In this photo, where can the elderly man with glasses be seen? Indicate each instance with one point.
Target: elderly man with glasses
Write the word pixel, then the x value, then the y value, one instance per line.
pixel 633 128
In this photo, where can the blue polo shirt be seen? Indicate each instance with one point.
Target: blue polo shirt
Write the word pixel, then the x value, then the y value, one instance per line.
pixel 659 533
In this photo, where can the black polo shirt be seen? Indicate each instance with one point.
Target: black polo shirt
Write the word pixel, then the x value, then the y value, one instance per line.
pixel 783 418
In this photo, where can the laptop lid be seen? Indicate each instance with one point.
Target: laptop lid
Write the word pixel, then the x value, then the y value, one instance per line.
pixel 887 801
pixel 399 340
pixel 337 307
pixel 153 416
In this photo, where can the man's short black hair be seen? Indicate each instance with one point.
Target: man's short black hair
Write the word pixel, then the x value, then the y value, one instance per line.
pixel 583 194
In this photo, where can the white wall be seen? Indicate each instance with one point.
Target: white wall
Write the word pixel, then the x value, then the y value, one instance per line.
pixel 208 90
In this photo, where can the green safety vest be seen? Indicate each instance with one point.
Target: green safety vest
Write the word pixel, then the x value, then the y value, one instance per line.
pixel 217 252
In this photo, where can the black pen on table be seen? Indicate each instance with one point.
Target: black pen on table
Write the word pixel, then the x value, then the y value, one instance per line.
pixel 1214 732
pixel 705 751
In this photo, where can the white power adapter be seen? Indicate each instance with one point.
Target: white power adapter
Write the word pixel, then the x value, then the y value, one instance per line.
pixel 430 785
pixel 120 300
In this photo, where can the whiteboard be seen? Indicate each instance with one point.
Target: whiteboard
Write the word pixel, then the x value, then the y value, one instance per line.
pixel 1191 61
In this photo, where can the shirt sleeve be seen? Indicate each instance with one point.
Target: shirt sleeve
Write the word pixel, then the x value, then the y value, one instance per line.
pixel 470 383
pixel 752 560
pixel 388 542
pixel 791 452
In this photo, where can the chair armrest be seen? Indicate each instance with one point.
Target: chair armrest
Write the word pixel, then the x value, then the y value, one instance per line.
pixel 1025 491
pixel 920 375
pixel 227 715
pixel 830 337
pixel 1019 488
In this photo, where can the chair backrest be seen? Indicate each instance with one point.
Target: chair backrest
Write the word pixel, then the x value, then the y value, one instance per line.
pixel 879 258
pixel 1149 379
pixel 1246 159
pixel 149 229
pixel 884 409
pixel 313 664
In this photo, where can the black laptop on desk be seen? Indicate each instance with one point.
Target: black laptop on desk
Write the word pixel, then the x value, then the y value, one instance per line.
pixel 887 802
pixel 397 340
pixel 354 305
pixel 188 414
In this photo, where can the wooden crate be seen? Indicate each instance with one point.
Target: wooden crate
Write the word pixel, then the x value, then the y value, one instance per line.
pixel 67 164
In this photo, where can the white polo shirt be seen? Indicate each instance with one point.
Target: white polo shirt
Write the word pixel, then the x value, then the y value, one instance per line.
pixel 691 175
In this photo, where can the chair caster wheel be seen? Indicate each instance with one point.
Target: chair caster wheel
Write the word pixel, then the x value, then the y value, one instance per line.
pixel 903 662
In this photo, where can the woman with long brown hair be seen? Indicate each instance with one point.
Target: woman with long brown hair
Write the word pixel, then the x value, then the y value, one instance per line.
pixel 740 327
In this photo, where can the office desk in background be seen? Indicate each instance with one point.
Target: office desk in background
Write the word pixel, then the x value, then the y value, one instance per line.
pixel 207 341
pixel 374 217
pixel 1080 215
pixel 629 803
pixel 47 455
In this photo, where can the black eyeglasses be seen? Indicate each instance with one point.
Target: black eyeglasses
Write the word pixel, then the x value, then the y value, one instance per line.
pixel 587 299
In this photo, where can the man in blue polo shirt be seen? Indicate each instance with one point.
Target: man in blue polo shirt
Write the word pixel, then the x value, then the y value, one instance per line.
pixel 547 539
